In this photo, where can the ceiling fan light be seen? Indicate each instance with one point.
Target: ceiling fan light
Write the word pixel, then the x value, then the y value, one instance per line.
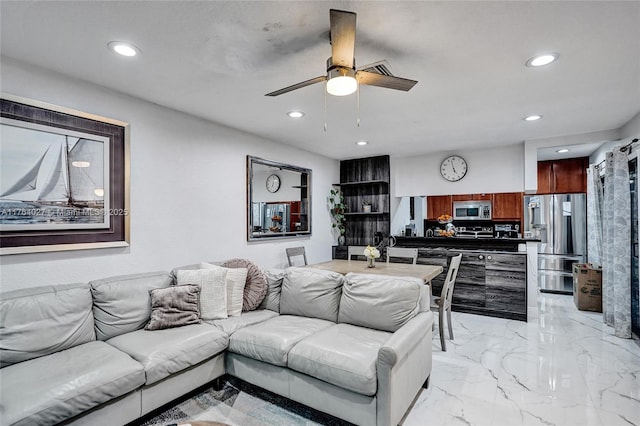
pixel 341 82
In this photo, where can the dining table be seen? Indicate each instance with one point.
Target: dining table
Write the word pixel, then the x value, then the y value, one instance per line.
pixel 424 272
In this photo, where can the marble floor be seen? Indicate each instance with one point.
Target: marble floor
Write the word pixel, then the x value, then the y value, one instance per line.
pixel 563 367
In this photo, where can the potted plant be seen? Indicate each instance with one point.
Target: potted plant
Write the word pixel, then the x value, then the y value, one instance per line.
pixel 336 208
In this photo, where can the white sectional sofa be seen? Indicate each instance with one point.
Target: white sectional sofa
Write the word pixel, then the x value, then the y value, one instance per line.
pixel 357 347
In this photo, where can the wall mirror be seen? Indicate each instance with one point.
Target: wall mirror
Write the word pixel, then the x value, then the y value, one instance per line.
pixel 278 200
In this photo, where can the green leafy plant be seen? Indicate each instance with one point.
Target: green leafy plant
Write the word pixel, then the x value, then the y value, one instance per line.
pixel 336 208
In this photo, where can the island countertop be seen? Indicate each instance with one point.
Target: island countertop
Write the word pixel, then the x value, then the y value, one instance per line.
pixel 464 243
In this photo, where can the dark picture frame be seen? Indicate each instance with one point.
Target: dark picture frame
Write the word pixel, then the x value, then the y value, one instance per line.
pixel 114 230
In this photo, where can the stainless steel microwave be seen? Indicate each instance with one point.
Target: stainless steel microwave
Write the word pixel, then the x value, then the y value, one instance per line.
pixel 472 210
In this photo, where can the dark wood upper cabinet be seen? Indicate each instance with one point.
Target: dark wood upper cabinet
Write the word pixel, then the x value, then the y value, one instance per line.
pixel 438 205
pixel 563 176
pixel 470 197
pixel 545 177
pixel 507 206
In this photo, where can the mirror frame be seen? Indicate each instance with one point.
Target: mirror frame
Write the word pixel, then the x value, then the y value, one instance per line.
pixel 251 161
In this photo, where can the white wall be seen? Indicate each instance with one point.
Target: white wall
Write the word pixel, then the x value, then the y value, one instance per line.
pixel 188 188
pixel 489 170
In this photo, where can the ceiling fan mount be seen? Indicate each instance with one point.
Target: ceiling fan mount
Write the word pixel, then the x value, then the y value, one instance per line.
pixel 342 75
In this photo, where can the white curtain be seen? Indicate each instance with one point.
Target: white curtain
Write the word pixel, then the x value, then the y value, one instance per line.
pixel 616 237
pixel 594 213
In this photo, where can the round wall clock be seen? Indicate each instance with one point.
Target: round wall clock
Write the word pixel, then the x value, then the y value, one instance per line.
pixel 273 183
pixel 453 168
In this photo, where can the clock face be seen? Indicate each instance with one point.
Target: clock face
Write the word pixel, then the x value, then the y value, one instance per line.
pixel 273 183
pixel 453 168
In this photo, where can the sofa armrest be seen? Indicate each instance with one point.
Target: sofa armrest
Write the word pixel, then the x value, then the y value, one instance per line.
pixel 404 364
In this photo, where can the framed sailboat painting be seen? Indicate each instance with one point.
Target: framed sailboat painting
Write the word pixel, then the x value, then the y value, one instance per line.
pixel 63 179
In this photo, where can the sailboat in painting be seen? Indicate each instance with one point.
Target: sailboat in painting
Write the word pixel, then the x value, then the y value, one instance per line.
pixel 74 180
pixel 63 183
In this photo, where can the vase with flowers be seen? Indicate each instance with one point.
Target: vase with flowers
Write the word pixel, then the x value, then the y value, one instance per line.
pixel 336 208
pixel 371 253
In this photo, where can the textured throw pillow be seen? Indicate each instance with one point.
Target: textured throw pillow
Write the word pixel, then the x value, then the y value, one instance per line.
pixel 255 288
pixel 213 290
pixel 174 307
pixel 235 287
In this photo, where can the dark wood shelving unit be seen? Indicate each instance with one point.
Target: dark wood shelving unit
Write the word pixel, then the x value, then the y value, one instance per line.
pixel 366 180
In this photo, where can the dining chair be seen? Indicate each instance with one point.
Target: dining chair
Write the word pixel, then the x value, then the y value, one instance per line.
pixel 296 251
pixel 355 251
pixel 406 253
pixel 443 302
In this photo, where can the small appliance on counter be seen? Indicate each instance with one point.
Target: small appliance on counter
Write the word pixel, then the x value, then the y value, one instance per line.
pixel 410 230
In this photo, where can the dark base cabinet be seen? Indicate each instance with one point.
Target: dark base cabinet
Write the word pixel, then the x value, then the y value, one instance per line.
pixel 488 283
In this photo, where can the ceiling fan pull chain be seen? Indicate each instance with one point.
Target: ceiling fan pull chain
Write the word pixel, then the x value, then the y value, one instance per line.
pixel 358 106
pixel 325 110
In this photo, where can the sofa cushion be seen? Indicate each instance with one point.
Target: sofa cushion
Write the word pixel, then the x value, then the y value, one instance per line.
pixel 122 304
pixel 232 324
pixel 236 279
pixel 311 293
pixel 213 290
pixel 270 341
pixel 274 280
pixel 343 355
pixel 255 287
pixel 379 302
pixel 174 306
pixel 55 387
pixel 43 320
pixel 164 352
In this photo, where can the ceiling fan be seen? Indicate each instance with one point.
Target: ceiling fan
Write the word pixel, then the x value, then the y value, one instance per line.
pixel 342 75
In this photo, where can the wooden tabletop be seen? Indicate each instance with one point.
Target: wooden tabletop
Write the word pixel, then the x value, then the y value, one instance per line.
pixel 425 272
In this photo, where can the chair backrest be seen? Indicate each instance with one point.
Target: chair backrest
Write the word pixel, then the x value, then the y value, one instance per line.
pixel 450 281
pixel 356 251
pixel 408 253
pixel 296 251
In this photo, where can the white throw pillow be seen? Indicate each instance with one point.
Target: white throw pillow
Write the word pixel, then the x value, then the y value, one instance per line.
pixel 213 290
pixel 236 279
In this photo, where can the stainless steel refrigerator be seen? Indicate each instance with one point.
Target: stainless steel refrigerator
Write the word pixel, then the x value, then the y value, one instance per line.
pixel 560 222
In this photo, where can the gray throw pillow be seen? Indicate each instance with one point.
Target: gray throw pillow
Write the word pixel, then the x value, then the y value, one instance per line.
pixel 174 307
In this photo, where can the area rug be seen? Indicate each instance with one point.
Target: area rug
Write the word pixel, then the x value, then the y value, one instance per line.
pixel 241 404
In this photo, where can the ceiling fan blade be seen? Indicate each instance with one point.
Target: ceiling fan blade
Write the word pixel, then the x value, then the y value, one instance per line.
pixel 343 37
pixel 298 86
pixel 390 82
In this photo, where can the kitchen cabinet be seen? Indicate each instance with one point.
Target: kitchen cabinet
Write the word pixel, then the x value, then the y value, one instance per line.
pixel 438 205
pixel 365 181
pixel 507 206
pixel 563 176
pixel 506 284
pixel 470 197
pixel 488 283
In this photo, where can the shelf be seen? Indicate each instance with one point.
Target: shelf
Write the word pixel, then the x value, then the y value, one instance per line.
pixel 300 186
pixel 364 213
pixel 364 182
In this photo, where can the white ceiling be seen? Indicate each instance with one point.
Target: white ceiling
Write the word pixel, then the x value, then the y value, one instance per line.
pixel 217 59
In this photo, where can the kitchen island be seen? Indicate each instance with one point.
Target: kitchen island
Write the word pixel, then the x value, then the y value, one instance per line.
pixel 493 274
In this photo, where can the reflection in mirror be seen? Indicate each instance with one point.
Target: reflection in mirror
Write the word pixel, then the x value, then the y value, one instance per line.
pixel 278 199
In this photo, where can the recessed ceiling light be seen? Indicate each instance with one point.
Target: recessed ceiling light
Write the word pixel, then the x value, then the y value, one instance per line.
pixel 541 60
pixel 295 114
pixel 362 143
pixel 532 118
pixel 123 48
pixel 562 151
